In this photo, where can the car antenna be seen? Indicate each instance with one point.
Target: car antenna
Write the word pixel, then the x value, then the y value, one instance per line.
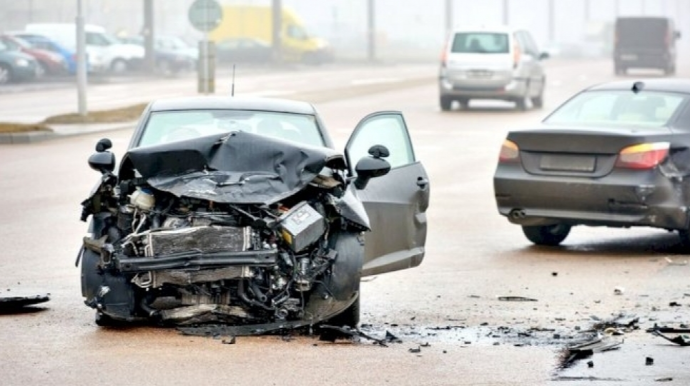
pixel 637 87
pixel 232 90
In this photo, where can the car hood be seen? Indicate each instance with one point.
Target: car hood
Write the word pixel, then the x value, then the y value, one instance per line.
pixel 232 168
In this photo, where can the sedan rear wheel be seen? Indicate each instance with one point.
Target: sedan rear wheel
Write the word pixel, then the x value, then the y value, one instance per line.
pixel 550 235
pixel 684 235
pixel 446 103
pixel 5 74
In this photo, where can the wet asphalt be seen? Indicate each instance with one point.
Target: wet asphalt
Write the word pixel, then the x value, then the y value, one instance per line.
pixel 454 328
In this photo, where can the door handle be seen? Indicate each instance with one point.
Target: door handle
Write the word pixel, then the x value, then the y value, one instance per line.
pixel 422 182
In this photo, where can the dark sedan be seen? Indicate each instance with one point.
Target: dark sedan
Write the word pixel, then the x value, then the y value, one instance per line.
pixel 240 211
pixel 243 50
pixel 616 154
pixel 49 62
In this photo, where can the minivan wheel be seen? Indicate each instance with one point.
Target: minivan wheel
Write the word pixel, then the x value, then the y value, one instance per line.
pixel 521 103
pixel 349 317
pixel 550 235
pixel 464 103
pixel 119 66
pixel 446 103
pixel 5 74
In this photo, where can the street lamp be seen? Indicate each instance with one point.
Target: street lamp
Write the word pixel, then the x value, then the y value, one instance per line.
pixel 81 59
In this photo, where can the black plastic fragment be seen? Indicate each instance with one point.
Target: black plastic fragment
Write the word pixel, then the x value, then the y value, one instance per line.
pixel 346 331
pixel 11 304
pixel 415 350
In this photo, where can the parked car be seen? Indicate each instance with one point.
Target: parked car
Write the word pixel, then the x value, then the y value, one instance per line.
pixel 107 52
pixel 645 42
pixel 614 155
pixel 168 60
pixel 240 211
pixel 49 62
pixel 16 66
pixel 492 63
pixel 45 43
pixel 243 50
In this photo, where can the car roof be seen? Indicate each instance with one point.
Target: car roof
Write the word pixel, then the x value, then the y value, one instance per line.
pixel 485 28
pixel 233 103
pixel 653 84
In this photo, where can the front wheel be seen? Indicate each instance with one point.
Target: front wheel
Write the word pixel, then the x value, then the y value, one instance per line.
pixel 349 317
pixel 550 235
pixel 5 74
pixel 446 103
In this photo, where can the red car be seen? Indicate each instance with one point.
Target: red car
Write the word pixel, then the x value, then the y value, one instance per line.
pixel 50 62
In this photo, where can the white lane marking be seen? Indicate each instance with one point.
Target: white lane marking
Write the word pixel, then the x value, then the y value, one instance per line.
pixel 362 82
pixel 268 93
pixel 557 83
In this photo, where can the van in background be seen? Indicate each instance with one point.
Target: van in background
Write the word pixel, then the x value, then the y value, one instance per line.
pixel 645 42
pixel 256 22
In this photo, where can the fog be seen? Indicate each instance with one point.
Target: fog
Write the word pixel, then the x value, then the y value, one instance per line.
pixel 404 29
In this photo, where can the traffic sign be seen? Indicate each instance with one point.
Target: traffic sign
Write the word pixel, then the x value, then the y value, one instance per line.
pixel 205 15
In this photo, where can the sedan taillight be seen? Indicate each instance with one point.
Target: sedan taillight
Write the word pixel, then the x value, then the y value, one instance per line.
pixel 509 152
pixel 643 156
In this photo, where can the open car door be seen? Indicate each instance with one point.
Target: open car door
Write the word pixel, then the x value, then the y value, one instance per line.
pixel 396 203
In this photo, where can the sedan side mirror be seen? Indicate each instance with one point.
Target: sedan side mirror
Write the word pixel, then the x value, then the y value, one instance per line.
pixel 371 167
pixel 678 35
pixel 544 55
pixel 103 161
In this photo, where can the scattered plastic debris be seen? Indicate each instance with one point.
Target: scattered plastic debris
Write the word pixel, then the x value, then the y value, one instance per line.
pixel 667 379
pixel 619 290
pixel 13 304
pixel 415 350
pixel 346 331
pixel 681 340
pixel 649 361
pixel 516 299
pixel 232 340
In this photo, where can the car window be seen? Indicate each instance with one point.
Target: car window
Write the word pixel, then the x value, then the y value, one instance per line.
pixel 529 43
pixel 480 43
pixel 3 47
pixel 96 39
pixel 172 126
pixel 387 130
pixel 10 45
pixel 618 108
pixel 296 32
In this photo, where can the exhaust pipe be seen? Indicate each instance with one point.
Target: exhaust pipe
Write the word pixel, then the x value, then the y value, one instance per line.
pixel 517 214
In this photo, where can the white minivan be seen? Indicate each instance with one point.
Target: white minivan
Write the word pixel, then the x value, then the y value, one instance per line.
pixel 104 50
pixel 491 63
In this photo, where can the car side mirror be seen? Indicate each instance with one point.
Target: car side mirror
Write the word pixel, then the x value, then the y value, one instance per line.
pixel 373 166
pixel 678 34
pixel 544 55
pixel 103 161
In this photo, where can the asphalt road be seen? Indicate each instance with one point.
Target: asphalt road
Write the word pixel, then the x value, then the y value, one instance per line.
pixel 450 301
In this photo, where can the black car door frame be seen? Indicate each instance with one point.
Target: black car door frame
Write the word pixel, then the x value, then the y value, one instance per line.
pixel 395 203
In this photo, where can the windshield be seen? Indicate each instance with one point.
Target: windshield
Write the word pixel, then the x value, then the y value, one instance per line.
pixel 480 43
pixel 618 108
pixel 171 126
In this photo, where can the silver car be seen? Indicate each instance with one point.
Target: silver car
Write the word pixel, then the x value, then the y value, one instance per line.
pixel 492 63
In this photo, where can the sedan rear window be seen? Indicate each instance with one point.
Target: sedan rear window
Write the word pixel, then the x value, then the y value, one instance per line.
pixel 480 43
pixel 171 126
pixel 617 108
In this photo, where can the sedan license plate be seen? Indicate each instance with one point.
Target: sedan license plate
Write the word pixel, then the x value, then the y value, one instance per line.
pixel 628 57
pixel 568 163
pixel 480 74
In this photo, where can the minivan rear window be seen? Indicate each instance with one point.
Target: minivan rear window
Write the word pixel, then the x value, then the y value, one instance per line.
pixel 480 43
pixel 641 32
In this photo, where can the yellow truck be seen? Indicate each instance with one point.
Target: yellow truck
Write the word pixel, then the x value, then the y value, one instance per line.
pixel 256 22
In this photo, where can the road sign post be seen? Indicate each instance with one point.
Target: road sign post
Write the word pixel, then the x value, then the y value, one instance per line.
pixel 205 16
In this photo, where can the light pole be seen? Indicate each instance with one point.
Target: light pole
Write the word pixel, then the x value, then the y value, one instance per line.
pixel 277 9
pixel 588 15
pixel 449 16
pixel 506 13
pixel 81 59
pixel 552 22
pixel 371 29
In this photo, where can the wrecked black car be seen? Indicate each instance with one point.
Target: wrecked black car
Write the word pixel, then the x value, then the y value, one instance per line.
pixel 239 211
pixel 615 155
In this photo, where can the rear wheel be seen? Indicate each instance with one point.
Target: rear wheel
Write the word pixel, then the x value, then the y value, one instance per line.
pixel 5 74
pixel 464 103
pixel 521 103
pixel 684 235
pixel 446 103
pixel 550 235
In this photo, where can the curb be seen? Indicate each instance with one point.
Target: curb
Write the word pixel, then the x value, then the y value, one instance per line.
pixel 40 136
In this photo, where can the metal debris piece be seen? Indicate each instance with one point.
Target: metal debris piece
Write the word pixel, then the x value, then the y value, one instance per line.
pixel 427 344
pixel 232 340
pixel 590 364
pixel 415 350
pixel 681 340
pixel 351 332
pixel 619 290
pixel 667 379
pixel 390 338
pixel 674 304
pixel 649 361
pixel 516 299
pixel 11 304
pixel 671 262
pixel 671 330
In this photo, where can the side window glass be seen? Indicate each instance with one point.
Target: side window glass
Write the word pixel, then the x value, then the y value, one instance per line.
pixel 683 121
pixel 388 130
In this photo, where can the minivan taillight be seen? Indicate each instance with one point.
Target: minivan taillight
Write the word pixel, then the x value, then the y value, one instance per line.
pixel 643 156
pixel 444 54
pixel 509 152
pixel 517 54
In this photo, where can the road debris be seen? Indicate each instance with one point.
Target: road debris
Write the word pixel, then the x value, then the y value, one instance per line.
pixel 415 350
pixel 328 335
pixel 232 340
pixel 390 338
pixel 554 273
pixel 619 290
pixel 674 304
pixel 671 262
pixel 667 379
pixel 649 361
pixel 681 340
pixel 669 330
pixel 516 299
pixel 13 304
pixel 599 343
pixel 590 364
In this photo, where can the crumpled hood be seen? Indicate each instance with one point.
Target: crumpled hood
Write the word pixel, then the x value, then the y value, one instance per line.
pixel 232 168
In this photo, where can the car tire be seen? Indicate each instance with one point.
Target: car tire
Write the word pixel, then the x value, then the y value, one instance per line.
pixel 521 103
pixel 5 74
pixel 119 66
pixel 103 320
pixel 349 317
pixel 446 103
pixel 684 235
pixel 165 68
pixel 549 235
pixel 464 104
